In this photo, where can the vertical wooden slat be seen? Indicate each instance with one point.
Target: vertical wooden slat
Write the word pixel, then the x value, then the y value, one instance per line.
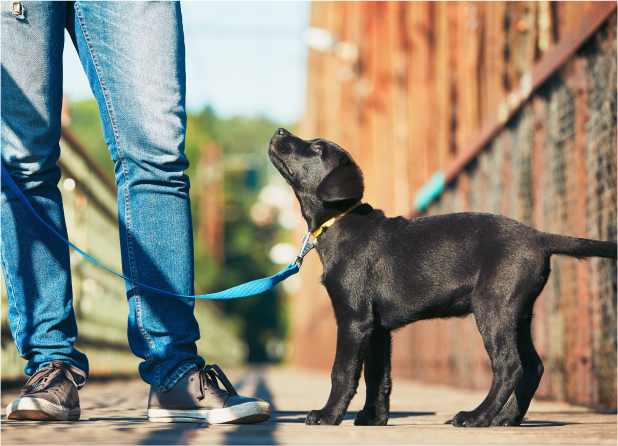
pixel 468 32
pixel 441 84
pixel 399 107
pixel 583 348
pixel 539 323
pixel 493 57
pixel 417 22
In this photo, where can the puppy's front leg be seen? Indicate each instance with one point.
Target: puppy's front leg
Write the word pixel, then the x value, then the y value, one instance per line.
pixel 352 340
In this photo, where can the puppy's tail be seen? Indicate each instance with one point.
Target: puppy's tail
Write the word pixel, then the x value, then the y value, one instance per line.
pixel 580 248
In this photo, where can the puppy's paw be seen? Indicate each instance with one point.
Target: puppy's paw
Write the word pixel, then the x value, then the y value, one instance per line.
pixel 370 417
pixel 314 417
pixel 508 415
pixel 323 418
pixel 470 419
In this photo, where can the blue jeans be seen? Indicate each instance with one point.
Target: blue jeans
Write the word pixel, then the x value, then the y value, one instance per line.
pixel 133 55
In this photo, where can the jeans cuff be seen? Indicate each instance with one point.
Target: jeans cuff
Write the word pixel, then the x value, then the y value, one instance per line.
pixel 180 372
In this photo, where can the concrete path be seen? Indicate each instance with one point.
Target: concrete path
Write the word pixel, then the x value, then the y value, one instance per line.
pixel 115 413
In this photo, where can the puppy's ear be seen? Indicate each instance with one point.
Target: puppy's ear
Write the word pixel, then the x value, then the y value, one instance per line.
pixel 344 182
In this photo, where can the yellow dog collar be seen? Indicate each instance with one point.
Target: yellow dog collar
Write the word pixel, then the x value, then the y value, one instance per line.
pixel 333 220
pixel 307 246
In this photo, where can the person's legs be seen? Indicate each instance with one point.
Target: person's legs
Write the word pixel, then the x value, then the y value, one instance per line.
pixel 35 263
pixel 133 55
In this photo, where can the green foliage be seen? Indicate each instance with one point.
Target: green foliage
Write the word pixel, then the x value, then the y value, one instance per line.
pixel 86 125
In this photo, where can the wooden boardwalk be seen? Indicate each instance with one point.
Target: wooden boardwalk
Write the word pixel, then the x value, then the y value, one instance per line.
pixel 114 412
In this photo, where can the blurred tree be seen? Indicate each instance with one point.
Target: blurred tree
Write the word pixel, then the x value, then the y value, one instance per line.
pixel 86 125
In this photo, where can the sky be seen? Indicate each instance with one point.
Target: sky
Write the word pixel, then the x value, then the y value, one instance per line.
pixel 242 58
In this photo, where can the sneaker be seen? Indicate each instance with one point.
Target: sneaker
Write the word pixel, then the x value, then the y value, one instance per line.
pixel 197 398
pixel 50 394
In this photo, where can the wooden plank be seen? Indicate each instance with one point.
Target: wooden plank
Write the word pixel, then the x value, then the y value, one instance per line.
pixel 540 331
pixel 399 40
pixel 583 350
pixel 418 119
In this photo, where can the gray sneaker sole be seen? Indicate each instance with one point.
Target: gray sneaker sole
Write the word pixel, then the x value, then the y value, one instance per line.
pixel 247 413
pixel 40 409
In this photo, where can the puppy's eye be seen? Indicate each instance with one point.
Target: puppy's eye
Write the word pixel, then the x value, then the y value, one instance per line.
pixel 317 148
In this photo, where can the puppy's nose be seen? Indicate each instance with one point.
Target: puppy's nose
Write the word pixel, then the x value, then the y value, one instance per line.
pixel 281 132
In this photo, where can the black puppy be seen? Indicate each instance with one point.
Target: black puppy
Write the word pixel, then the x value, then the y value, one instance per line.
pixel 383 273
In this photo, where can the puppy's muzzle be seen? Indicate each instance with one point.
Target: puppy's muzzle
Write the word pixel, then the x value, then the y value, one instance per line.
pixel 276 140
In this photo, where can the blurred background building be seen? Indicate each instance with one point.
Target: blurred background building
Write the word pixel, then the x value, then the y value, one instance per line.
pixel 501 107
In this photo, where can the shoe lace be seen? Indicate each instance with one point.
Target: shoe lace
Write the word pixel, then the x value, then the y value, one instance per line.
pixel 53 372
pixel 208 377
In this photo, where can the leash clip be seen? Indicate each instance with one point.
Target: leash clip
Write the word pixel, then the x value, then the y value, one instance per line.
pixel 304 249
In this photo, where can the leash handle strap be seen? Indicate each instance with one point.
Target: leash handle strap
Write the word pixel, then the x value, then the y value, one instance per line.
pixel 246 289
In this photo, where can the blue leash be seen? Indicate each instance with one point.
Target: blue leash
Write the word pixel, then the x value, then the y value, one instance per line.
pixel 246 289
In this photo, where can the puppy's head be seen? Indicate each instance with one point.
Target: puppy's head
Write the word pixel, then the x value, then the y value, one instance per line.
pixel 316 168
